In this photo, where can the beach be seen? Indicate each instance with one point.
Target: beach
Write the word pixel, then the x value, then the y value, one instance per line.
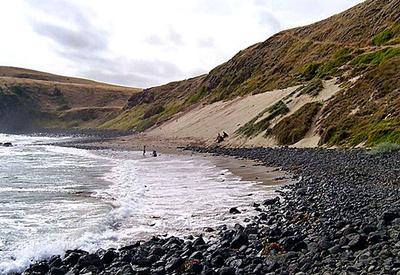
pixel 108 198
pixel 339 216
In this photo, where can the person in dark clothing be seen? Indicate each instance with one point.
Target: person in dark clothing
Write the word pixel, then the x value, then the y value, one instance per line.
pixel 224 134
pixel 154 153
pixel 219 138
pixel 144 150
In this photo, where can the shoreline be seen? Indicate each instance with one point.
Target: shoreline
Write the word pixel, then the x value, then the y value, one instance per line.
pixel 247 170
pixel 341 216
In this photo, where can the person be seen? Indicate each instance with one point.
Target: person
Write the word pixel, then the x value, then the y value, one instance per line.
pixel 224 134
pixel 154 153
pixel 144 150
pixel 219 138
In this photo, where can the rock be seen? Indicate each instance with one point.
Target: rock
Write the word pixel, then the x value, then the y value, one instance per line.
pixel 239 240
pixel 39 268
pixel 198 241
pixel 358 242
pixel 174 264
pixel 217 261
pixel 55 261
pixel 72 258
pixel 56 271
pixel 390 215
pixel 271 201
pixel 196 255
pixel 301 191
pixel 109 256
pixel 141 270
pixel 234 210
pixel 89 260
pixel 227 271
pixel 125 270
pixel 335 249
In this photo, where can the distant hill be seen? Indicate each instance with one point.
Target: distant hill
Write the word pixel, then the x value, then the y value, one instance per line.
pixel 31 99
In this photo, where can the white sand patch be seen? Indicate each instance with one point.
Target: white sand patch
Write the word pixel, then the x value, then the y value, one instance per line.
pixel 206 121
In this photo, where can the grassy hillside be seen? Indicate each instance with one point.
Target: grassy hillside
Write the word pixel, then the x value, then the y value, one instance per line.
pixel 359 48
pixel 361 41
pixel 32 99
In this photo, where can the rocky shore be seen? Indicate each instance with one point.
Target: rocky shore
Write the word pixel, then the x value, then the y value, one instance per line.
pixel 341 217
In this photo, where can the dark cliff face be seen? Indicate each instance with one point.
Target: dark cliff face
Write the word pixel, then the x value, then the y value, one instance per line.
pixel 13 115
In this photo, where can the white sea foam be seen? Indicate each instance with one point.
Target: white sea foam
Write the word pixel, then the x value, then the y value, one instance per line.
pixel 54 198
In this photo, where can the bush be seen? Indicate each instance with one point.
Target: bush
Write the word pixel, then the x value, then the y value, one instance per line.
pixel 253 128
pixel 313 88
pixel 153 110
pixel 376 58
pixel 293 128
pixel 384 148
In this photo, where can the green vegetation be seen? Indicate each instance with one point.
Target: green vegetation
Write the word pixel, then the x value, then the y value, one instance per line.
pixel 153 110
pixel 197 96
pixel 389 36
pixel 376 58
pixel 330 67
pixel 377 119
pixel 293 128
pixel 384 148
pixel 17 90
pixel 313 88
pixel 254 127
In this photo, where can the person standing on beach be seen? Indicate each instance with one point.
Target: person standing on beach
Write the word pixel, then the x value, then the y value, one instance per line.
pixel 144 150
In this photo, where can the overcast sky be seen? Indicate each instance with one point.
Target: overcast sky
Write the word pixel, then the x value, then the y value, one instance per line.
pixel 144 43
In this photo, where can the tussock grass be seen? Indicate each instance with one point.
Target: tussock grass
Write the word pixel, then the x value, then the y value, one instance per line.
pixel 293 128
pixel 254 127
pixel 313 88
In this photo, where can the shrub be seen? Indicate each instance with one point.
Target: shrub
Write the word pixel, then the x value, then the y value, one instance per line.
pixel 382 38
pixel 253 128
pixel 152 111
pixel 384 148
pixel 376 58
pixel 293 128
pixel 313 88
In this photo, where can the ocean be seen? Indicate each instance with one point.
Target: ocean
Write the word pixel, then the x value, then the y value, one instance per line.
pixel 54 198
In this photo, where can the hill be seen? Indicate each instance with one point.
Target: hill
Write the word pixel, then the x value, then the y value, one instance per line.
pixel 358 50
pixel 32 99
pixel 334 82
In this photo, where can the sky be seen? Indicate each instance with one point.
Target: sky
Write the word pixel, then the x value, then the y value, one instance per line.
pixel 144 43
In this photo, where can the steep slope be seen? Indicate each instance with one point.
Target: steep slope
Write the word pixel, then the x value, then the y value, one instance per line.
pixel 32 99
pixel 348 47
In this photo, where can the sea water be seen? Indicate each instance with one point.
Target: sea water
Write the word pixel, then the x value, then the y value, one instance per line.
pixel 55 198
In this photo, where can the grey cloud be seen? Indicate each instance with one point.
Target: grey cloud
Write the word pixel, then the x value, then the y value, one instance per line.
pixel 214 7
pixel 267 18
pixel 138 73
pixel 175 37
pixel 82 36
pixel 206 42
pixel 83 39
pixel 154 40
pixel 62 9
pixel 127 79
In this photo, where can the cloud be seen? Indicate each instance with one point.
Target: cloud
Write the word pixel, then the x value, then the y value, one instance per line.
pixel 208 42
pixel 154 40
pixel 175 37
pixel 72 40
pixel 139 73
pixel 78 35
pixel 268 19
